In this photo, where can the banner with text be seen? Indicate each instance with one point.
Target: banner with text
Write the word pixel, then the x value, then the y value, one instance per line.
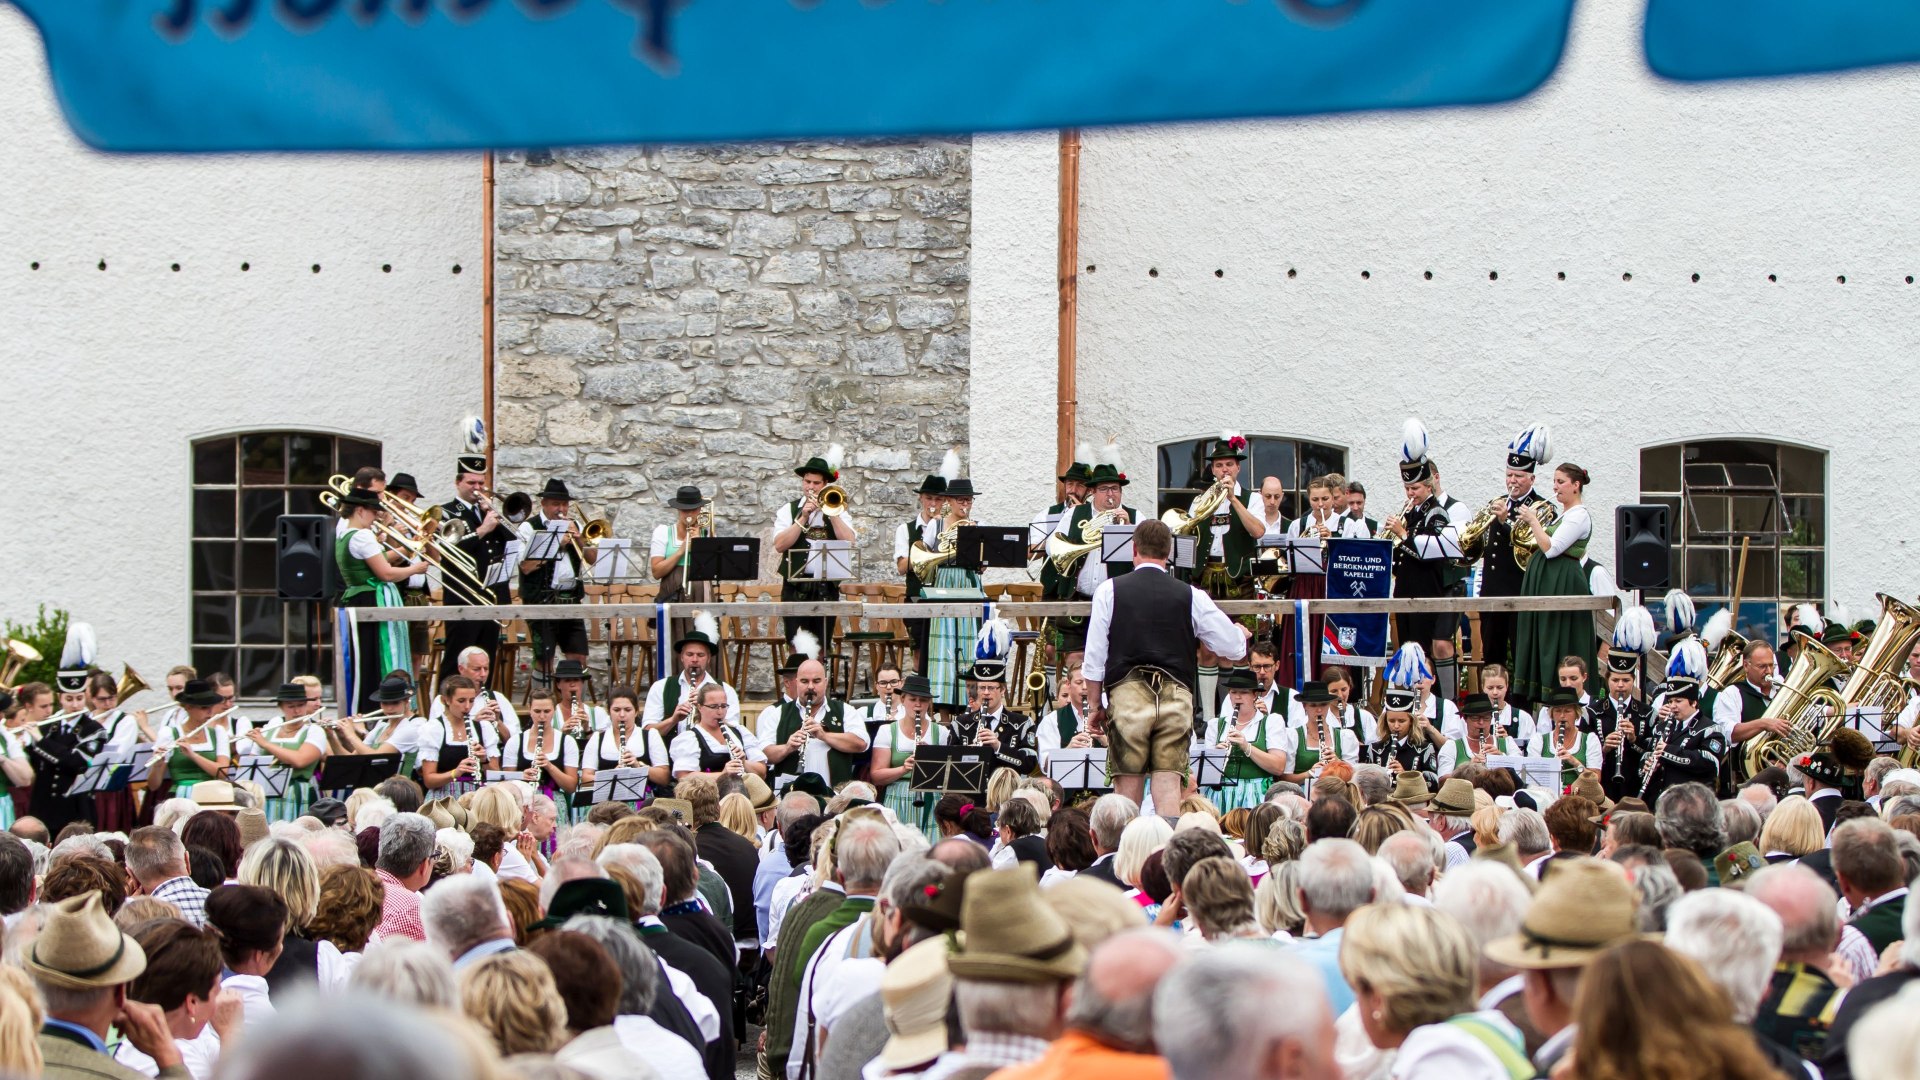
pixel 168 75
pixel 1357 570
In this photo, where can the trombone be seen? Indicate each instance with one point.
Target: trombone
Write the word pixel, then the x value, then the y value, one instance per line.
pixel 423 522
pixel 454 575
pixel 592 530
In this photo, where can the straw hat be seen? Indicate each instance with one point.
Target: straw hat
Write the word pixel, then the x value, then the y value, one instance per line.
pixel 1455 798
pixel 1410 788
pixel 914 991
pixel 79 948
pixel 1579 911
pixel 253 826
pixel 214 795
pixel 1011 934
pixel 759 794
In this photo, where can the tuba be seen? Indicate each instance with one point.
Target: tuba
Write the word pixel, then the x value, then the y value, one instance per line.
pixel 130 684
pixel 1726 664
pixel 17 655
pixel 1524 542
pixel 1814 709
pixel 1203 508
pixel 1879 681
pixel 1064 553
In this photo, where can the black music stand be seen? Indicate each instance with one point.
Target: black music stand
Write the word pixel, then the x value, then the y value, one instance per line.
pixel 272 776
pixel 950 770
pixel 344 772
pixel 723 558
pixel 618 785
pixel 1209 767
pixel 1079 769
pixel 979 547
pixel 100 778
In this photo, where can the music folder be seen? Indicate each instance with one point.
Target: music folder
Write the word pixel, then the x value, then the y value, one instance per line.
pixel 979 547
pixel 267 771
pixel 346 771
pixel 723 558
pixel 1209 767
pixel 827 560
pixel 619 785
pixel 950 770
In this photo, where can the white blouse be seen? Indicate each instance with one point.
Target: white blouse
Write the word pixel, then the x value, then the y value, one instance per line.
pixel 1574 526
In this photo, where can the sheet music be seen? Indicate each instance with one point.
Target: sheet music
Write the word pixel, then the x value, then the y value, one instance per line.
pixel 501 572
pixel 829 560
pixel 1038 531
pixel 1116 544
pixel 614 562
pixel 546 545
pixel 1306 555
pixel 1534 771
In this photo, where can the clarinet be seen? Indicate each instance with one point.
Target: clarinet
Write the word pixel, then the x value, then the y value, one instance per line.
pixel 1620 755
pixel 1653 761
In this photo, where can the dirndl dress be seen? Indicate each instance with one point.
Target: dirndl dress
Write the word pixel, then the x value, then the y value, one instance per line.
pixel 950 643
pixel 913 808
pixel 299 794
pixel 1543 638
pixel 1246 783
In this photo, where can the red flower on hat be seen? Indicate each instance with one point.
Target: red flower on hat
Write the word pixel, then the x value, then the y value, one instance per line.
pixel 1123 476
pixel 931 891
pixel 1238 442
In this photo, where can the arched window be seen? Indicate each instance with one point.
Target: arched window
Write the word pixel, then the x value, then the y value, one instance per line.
pixel 1184 475
pixel 1724 491
pixel 241 486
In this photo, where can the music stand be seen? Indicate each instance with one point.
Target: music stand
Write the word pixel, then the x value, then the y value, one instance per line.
pixel 1869 720
pixel 827 560
pixel 723 558
pixel 1533 771
pixel 614 562
pixel 950 770
pixel 1306 555
pixel 980 547
pixel 1079 770
pixel 1038 531
pixel 268 772
pixel 1186 552
pixel 344 772
pixel 1209 767
pixel 618 785
pixel 93 780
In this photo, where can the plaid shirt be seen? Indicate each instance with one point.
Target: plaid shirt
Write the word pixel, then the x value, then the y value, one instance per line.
pixel 400 914
pixel 182 893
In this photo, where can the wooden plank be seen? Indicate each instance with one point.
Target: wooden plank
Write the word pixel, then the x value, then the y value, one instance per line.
pixel 1035 609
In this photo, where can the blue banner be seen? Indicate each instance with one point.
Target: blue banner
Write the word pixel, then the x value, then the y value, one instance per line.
pixel 1357 570
pixel 1730 39
pixel 178 75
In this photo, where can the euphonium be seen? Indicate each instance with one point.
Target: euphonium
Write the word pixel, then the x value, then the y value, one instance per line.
pixel 1064 553
pixel 1203 508
pixel 1805 701
pixel 924 562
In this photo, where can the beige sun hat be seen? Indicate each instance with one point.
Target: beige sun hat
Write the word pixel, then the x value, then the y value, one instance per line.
pixel 914 992
pixel 1011 934
pixel 1583 907
pixel 79 947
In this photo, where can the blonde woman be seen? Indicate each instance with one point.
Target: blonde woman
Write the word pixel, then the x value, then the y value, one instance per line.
pixel 736 813
pixel 19 1024
pixel 512 996
pixel 1000 787
pixel 499 805
pixel 1793 830
pixel 1142 837
pixel 289 871
pixel 1276 903
pixel 1413 971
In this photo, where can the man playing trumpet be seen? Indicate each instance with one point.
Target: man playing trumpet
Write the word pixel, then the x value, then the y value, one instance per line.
pixel 1107 485
pixel 485 544
pixel 1229 540
pixel 799 525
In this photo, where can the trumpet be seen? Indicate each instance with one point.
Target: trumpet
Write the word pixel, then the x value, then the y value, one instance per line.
pixel 832 500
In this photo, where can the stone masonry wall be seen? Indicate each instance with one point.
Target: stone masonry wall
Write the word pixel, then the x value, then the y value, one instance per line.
pixel 718 314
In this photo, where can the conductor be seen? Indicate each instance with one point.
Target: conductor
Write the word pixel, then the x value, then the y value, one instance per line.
pixel 1142 642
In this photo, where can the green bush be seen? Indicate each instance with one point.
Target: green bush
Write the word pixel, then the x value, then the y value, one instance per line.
pixel 48 634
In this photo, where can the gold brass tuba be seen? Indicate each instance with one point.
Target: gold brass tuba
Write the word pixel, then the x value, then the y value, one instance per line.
pixel 1203 508
pixel 130 684
pixel 1727 663
pixel 1814 709
pixel 18 654
pixel 1879 677
pixel 1064 553
pixel 1524 542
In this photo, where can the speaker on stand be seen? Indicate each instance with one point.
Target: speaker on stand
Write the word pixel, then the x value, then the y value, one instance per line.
pixel 1642 546
pixel 304 570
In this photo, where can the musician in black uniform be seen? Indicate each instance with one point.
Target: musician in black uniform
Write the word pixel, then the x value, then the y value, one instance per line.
pixel 62 752
pixel 1500 575
pixel 558 580
pixel 1620 720
pixel 1427 542
pixel 1682 744
pixel 1400 747
pixel 1011 737
pixel 485 543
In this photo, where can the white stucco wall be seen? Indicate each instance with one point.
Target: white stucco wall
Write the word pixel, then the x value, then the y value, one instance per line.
pixel 1605 171
pixel 108 376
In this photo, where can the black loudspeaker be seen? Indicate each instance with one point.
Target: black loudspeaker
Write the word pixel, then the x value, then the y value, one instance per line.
pixel 1642 557
pixel 303 563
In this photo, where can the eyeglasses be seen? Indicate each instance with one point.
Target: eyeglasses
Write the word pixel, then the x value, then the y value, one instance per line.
pixel 889 682
pixel 721 705
pixel 226 699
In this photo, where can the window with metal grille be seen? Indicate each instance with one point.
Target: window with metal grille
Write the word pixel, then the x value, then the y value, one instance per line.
pixel 1721 493
pixel 1184 474
pixel 241 485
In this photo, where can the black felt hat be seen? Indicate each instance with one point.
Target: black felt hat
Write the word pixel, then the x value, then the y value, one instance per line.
pixel 1078 472
pixel 1560 697
pixel 556 489
pixel 687 498
pixel 1228 446
pixel 1240 679
pixel 360 496
pixel 586 896
pixel 200 692
pixel 961 488
pixel 569 669
pixel 404 482
pixel 1316 693
pixel 291 693
pixel 917 686
pixel 813 784
pixel 934 484
pixel 392 689
pixel 1476 705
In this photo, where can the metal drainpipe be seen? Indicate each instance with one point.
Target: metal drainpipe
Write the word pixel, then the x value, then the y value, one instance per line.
pixel 1067 391
pixel 486 291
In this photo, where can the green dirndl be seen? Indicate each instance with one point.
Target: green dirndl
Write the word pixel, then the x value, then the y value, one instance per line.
pixel 950 643
pixel 299 794
pixel 1543 638
pixel 913 808
pixel 1246 783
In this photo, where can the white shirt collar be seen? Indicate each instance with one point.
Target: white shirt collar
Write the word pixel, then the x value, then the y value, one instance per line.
pixel 1501 991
